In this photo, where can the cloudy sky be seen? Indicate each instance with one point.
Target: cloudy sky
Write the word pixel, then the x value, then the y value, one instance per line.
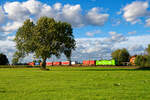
pixel 99 26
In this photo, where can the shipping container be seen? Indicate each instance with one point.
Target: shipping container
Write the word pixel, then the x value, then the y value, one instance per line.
pixel 49 63
pixel 86 62
pixel 89 62
pixel 74 63
pixel 56 63
pixel 31 63
pixel 105 62
pixel 92 62
pixel 37 64
pixel 65 63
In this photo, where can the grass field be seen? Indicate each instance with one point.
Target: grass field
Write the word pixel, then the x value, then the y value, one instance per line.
pixel 81 83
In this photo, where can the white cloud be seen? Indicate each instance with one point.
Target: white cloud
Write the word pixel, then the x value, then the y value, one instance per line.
pixel 11 38
pixel 10 27
pixel 92 33
pixel 72 14
pixel 133 32
pixel 2 37
pixel 16 11
pixel 148 22
pixel 58 6
pixel 8 48
pixel 95 18
pixel 135 10
pixel 115 37
pixel 112 33
pixel 33 6
pixel 2 15
pixel 115 22
pixel 119 12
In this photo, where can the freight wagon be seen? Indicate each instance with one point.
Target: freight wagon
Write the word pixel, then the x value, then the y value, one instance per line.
pixel 31 63
pixel 89 62
pixel 105 62
pixel 49 63
pixel 99 63
pixel 56 63
pixel 66 63
pixel 85 63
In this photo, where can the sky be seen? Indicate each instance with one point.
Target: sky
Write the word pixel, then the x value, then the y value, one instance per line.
pixel 99 26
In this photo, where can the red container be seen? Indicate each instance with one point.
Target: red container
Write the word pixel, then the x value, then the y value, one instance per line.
pixel 49 64
pixel 31 63
pixel 89 62
pixel 92 62
pixel 56 63
pixel 86 62
pixel 65 63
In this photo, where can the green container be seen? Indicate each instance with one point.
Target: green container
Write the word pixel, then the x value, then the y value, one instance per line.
pixel 105 62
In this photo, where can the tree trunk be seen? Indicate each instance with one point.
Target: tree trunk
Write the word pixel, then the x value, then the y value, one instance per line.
pixel 69 61
pixel 44 64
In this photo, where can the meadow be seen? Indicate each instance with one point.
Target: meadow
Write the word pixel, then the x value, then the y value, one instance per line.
pixel 74 83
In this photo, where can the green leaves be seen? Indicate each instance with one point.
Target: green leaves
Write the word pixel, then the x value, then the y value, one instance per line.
pixel 121 55
pixel 3 59
pixel 45 38
pixel 148 50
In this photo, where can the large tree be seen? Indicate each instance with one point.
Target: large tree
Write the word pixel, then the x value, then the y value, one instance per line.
pixel 3 59
pixel 45 38
pixel 148 49
pixel 121 55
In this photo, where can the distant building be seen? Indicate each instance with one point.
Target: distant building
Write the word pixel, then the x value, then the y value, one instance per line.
pixel 132 60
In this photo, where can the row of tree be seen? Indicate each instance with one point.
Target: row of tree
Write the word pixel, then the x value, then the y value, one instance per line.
pixel 122 57
pixel 143 60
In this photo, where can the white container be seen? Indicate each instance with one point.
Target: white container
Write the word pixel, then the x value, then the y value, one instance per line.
pixel 73 62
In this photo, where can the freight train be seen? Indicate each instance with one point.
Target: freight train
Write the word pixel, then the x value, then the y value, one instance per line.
pixel 84 63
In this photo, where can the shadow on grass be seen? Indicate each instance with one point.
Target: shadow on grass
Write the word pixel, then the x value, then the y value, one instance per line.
pixel 143 68
pixel 108 69
pixel 120 69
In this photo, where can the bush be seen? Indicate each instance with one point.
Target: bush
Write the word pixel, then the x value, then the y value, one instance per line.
pixel 121 56
pixel 3 59
pixel 143 61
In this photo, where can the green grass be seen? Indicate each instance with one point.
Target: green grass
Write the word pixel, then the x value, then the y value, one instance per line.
pixel 62 83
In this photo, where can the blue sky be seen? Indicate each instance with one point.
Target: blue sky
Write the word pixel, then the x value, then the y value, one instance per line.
pixel 99 26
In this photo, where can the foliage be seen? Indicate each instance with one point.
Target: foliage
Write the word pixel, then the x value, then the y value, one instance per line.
pixel 148 50
pixel 39 61
pixel 45 38
pixel 139 60
pixel 16 57
pixel 120 55
pixel 142 60
pixel 3 59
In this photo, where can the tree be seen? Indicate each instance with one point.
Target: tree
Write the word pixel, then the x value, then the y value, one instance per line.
pixel 148 50
pixel 120 55
pixel 139 59
pixel 16 57
pixel 142 60
pixel 45 38
pixel 3 59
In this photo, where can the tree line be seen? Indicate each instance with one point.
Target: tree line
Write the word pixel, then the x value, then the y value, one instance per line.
pixel 122 56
